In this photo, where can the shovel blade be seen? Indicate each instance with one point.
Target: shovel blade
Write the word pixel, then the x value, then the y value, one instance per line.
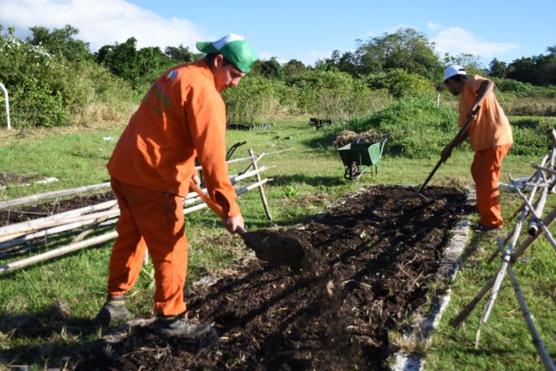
pixel 276 247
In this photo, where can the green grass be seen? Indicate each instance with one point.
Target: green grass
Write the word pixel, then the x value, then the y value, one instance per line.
pixel 306 179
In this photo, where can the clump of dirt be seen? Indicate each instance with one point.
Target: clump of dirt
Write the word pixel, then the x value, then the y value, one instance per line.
pixel 22 214
pixel 10 178
pixel 377 255
pixel 348 136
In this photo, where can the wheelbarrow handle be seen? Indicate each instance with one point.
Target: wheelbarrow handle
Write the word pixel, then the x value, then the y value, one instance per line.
pixel 386 137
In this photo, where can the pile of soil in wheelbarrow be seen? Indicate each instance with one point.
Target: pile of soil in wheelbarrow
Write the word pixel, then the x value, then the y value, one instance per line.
pixel 30 212
pixel 377 255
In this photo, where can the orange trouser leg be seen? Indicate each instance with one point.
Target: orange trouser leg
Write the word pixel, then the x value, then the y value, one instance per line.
pixel 486 174
pixel 154 219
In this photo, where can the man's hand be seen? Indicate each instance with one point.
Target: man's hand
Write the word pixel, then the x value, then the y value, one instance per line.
pixel 472 115
pixel 234 224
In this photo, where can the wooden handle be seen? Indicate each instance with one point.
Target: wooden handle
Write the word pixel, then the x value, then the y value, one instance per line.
pixel 214 206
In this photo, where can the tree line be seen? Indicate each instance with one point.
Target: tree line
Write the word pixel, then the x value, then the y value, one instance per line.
pixel 404 49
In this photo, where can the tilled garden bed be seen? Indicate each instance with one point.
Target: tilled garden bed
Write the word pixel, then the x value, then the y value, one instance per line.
pixel 376 255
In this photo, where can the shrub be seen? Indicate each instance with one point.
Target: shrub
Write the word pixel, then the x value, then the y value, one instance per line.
pixel 417 128
pixel 255 100
pixel 47 90
pixel 401 84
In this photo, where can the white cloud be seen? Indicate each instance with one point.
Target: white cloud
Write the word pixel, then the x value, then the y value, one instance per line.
pixel 101 22
pixel 456 40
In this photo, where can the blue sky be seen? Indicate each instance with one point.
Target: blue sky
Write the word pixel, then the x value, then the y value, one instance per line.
pixel 303 30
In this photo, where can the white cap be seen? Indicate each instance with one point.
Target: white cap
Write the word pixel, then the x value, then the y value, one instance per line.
pixel 453 70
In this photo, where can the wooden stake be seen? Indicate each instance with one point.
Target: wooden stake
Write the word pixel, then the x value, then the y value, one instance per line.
pixel 261 189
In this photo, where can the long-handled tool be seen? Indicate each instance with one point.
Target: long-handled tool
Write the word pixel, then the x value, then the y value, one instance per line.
pixel 462 131
pixel 276 246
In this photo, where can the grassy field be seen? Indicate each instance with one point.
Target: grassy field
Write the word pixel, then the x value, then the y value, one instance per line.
pixel 306 179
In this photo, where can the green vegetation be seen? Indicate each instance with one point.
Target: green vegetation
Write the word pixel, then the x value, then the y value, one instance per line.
pixel 306 179
pixel 388 85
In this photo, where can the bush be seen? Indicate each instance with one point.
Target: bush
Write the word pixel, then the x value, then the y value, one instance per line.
pixel 255 100
pixel 335 95
pixel 47 90
pixel 532 135
pixel 401 84
pixel 417 128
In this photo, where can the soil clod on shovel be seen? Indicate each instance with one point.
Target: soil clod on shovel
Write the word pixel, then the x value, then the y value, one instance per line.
pixel 278 247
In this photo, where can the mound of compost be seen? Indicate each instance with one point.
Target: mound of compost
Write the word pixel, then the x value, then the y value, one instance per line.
pixel 376 255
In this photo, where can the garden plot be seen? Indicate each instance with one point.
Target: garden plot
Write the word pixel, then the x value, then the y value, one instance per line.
pixel 376 255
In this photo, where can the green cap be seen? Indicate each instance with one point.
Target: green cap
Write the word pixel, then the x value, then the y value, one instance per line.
pixel 235 48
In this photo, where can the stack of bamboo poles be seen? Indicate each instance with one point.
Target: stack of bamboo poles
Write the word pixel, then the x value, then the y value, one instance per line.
pixel 542 182
pixel 24 237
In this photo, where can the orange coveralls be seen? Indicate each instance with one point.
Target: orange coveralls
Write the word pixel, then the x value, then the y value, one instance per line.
pixel 490 136
pixel 181 117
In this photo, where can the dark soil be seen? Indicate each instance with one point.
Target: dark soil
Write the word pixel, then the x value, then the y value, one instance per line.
pixel 22 214
pixel 375 257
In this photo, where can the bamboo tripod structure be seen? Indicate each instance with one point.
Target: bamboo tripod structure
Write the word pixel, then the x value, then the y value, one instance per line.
pixel 544 180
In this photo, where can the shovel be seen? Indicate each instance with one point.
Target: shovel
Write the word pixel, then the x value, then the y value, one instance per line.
pixel 275 246
pixel 462 131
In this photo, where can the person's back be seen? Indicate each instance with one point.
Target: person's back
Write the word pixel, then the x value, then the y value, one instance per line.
pixel 157 148
pixel 491 127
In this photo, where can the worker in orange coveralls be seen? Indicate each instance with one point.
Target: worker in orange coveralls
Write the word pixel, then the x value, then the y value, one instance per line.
pixel 181 117
pixel 490 136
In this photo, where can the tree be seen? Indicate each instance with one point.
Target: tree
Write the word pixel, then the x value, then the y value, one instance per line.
pixel 270 68
pixel 137 66
pixel 498 68
pixel 181 53
pixel 61 41
pixel 404 49
pixel 293 68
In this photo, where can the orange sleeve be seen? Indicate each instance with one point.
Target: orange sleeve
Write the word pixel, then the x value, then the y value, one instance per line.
pixel 206 120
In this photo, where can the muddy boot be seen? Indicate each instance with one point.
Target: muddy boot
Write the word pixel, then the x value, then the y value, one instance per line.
pixel 180 326
pixel 113 312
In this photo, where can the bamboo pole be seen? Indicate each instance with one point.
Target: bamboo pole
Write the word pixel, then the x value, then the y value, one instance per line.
pixel 14 231
pixel 66 214
pixel 73 191
pixel 72 247
pixel 537 341
pixel 19 230
pixel 464 313
pixel 44 196
pixel 48 232
pixel 261 189
pixel 10 267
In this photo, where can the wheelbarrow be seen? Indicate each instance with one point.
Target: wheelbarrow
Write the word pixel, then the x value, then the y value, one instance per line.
pixel 357 156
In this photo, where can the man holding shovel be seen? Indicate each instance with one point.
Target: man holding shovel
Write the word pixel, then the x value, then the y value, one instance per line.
pixel 182 117
pixel 490 136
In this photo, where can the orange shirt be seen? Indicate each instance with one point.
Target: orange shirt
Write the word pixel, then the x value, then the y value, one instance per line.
pixel 491 128
pixel 181 117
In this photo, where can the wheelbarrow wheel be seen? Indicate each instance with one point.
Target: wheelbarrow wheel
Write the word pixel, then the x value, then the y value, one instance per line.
pixel 354 171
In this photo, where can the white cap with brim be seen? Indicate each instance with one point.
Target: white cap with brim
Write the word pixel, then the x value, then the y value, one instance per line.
pixel 453 70
pixel 235 48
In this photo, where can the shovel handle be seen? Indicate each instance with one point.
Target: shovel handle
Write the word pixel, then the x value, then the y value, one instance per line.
pixel 213 205
pixel 461 132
